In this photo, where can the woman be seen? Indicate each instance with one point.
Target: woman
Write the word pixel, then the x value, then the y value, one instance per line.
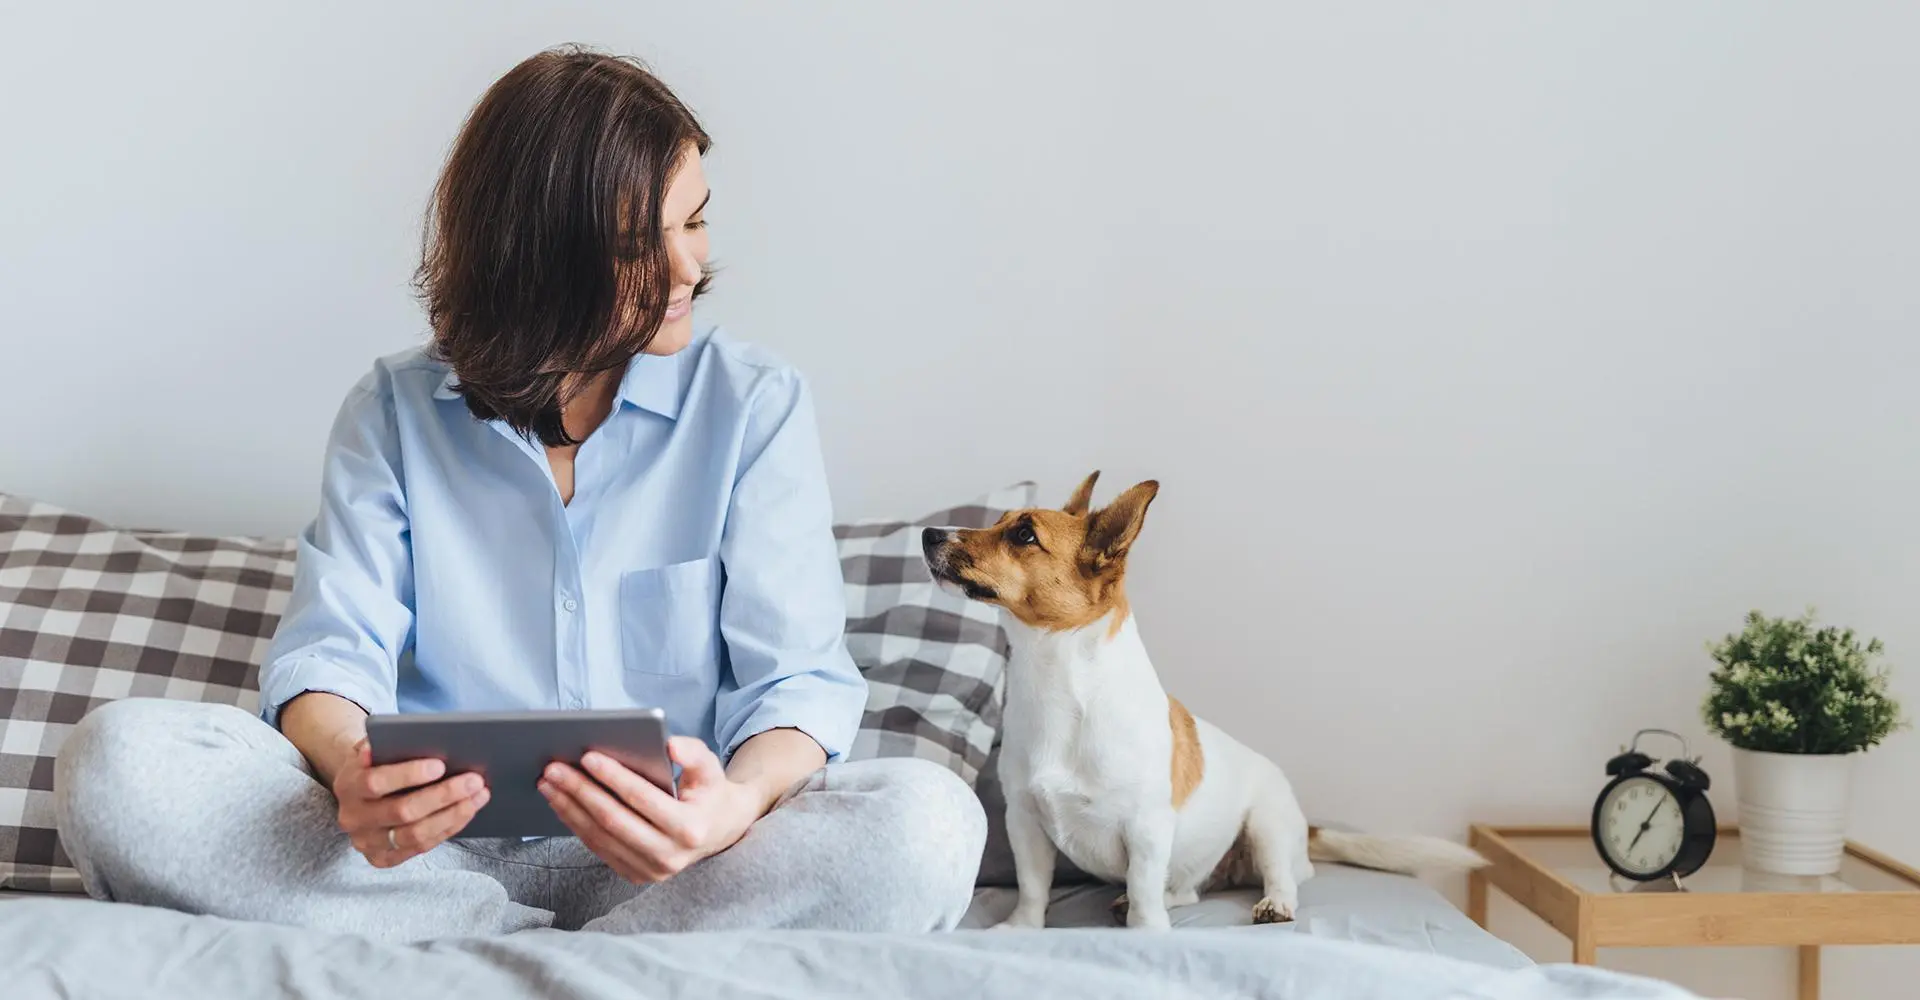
pixel 571 499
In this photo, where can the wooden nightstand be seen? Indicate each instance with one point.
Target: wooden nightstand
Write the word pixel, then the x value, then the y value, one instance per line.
pixel 1555 872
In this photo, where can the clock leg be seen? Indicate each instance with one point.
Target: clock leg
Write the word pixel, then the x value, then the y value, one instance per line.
pixel 1477 897
pixel 1809 972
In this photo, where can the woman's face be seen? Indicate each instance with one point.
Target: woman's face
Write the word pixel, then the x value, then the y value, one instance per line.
pixel 684 229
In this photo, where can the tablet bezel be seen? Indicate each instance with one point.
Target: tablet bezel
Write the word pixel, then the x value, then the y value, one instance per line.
pixel 512 748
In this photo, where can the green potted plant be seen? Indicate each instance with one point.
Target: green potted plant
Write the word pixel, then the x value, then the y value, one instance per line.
pixel 1797 701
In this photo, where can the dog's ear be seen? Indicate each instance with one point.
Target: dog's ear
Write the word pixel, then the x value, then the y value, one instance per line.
pixel 1114 527
pixel 1082 495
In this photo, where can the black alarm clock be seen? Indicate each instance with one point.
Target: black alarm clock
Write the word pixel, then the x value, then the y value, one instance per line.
pixel 1650 825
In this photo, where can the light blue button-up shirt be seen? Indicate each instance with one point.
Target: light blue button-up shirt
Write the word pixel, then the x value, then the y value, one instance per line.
pixel 694 569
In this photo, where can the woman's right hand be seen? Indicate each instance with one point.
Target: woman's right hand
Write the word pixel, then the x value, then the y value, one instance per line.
pixel 408 798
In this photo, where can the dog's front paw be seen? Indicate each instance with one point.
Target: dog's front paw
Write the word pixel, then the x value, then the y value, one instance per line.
pixel 1021 919
pixel 1271 911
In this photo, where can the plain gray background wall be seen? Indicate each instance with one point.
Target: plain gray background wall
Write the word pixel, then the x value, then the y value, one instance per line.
pixel 1493 357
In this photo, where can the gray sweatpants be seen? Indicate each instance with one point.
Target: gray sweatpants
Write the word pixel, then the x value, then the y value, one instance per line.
pixel 207 809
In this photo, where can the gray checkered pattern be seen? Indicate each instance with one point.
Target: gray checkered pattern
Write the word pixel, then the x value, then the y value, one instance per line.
pixel 934 662
pixel 91 613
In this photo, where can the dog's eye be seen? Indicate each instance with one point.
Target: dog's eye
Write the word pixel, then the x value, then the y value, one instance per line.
pixel 1022 534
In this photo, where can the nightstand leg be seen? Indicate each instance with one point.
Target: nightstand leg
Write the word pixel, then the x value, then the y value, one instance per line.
pixel 1809 972
pixel 1584 953
pixel 1477 898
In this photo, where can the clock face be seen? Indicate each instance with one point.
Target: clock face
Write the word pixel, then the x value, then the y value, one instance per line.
pixel 1640 825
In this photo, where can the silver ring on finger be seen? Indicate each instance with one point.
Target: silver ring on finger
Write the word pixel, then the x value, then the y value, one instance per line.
pixel 391 842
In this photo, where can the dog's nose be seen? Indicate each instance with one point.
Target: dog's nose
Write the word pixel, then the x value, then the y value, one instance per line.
pixel 931 538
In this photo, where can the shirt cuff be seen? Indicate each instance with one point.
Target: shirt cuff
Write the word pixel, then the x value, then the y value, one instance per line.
pixel 820 716
pixel 290 681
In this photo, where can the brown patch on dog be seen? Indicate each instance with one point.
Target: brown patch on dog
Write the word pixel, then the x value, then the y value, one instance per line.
pixel 1189 762
pixel 1054 570
pixel 1120 609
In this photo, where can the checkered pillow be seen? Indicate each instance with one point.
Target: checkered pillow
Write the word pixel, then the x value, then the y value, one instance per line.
pixel 91 613
pixel 934 661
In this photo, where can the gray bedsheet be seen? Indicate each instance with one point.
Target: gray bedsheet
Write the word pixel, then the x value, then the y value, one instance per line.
pixel 69 948
pixel 1340 903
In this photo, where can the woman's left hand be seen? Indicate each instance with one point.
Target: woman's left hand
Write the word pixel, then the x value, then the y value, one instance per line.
pixel 639 830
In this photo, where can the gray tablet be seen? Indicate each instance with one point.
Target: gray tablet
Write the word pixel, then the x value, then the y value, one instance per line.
pixel 511 749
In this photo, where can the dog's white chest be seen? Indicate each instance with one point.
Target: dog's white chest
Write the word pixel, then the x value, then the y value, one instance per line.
pixel 1084 815
pixel 1088 744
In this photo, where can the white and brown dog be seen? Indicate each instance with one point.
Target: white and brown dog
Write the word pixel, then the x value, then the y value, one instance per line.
pixel 1100 764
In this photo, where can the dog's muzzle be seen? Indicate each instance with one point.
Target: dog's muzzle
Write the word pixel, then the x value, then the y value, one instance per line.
pixel 933 546
pixel 936 546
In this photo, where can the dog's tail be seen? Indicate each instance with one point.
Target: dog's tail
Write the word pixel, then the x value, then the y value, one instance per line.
pixel 1408 854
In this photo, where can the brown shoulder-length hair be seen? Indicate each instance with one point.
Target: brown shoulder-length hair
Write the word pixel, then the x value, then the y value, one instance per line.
pixel 542 257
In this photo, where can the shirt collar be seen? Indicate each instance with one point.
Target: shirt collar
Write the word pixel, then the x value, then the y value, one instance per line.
pixel 651 383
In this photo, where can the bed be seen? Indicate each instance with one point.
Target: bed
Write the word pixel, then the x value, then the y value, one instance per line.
pixel 90 612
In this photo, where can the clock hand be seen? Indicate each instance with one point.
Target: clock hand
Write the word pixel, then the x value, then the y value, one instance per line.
pixel 1644 827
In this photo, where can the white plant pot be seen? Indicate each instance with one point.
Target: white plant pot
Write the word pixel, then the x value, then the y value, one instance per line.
pixel 1793 810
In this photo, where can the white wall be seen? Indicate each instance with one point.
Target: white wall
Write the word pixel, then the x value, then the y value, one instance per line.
pixel 1493 357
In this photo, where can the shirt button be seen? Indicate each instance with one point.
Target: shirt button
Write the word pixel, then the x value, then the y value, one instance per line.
pixel 571 605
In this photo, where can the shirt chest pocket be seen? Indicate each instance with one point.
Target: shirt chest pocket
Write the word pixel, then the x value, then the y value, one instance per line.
pixel 670 618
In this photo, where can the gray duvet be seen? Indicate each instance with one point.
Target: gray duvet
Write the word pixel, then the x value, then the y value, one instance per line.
pixel 81 948
pixel 1360 936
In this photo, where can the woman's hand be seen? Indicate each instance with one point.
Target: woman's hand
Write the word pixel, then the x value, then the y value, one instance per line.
pixel 374 800
pixel 644 833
